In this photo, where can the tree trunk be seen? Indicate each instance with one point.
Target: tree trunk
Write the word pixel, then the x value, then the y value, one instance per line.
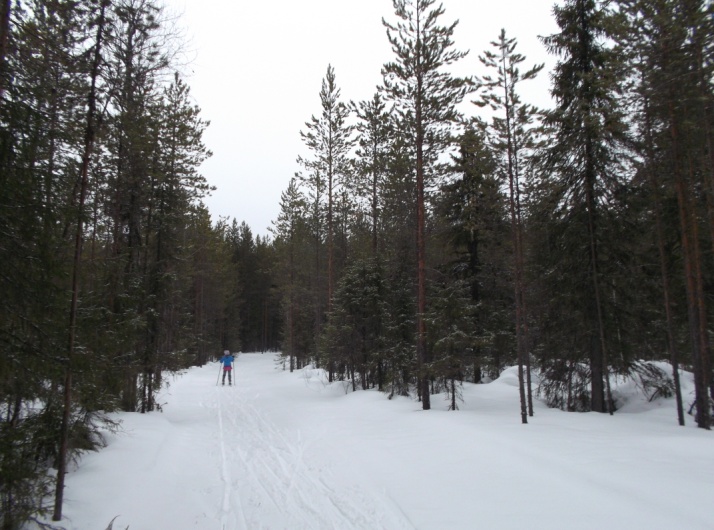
pixel 421 270
pixel 673 354
pixel 291 310
pixel 422 353
pixel 90 133
pixel 600 402
pixel 515 229
pixel 688 232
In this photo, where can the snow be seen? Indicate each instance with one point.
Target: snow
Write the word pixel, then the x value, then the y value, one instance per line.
pixel 283 450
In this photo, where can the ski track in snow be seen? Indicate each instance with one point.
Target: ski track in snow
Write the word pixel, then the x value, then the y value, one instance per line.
pixel 270 454
pixel 269 484
pixel 227 512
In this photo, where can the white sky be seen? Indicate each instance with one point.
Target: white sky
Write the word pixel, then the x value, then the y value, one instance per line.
pixel 255 70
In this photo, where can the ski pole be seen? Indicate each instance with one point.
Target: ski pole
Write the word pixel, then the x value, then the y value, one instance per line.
pixel 219 373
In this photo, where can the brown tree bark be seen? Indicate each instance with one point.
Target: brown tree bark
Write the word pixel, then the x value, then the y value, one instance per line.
pixel 692 278
pixel 673 354
pixel 515 238
pixel 421 345
pixel 90 133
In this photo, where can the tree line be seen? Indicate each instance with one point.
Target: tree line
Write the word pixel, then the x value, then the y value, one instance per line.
pixel 436 233
pixel 113 274
pixel 425 241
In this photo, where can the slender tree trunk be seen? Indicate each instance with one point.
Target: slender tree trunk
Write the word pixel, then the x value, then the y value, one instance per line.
pixel 291 310
pixel 688 234
pixel 453 393
pixel 702 331
pixel 421 265
pixel 517 292
pixel 598 355
pixel 673 354
pixel 515 229
pixel 708 164
pixel 90 133
pixel 526 354
pixel 524 310
pixel 685 221
pixel 375 203
pixel 422 353
pixel 330 227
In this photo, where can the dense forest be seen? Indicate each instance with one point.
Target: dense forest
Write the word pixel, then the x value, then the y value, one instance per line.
pixel 437 233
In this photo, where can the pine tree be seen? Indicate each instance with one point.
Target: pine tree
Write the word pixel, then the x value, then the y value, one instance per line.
pixel 96 198
pixel 512 137
pixel 131 164
pixel 374 134
pixel 665 41
pixel 425 96
pixel 44 92
pixel 328 139
pixel 89 140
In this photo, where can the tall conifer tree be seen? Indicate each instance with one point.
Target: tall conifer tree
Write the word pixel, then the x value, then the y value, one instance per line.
pixel 374 135
pixel 426 96
pixel 665 41
pixel 582 169
pixel 512 138
pixel 328 137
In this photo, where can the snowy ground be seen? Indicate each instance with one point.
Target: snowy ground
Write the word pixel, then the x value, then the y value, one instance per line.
pixel 288 451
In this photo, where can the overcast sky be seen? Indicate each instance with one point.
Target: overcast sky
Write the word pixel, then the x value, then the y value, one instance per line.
pixel 255 69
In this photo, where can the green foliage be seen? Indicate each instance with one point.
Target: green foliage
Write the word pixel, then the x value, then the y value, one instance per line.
pixel 576 192
pixel 161 286
pixel 452 323
pixel 353 336
pixel 654 382
pixel 24 483
pixel 146 239
pixel 565 385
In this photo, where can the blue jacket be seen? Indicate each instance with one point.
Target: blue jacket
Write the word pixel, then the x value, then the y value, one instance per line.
pixel 227 361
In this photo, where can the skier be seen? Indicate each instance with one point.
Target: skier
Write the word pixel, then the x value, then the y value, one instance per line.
pixel 227 361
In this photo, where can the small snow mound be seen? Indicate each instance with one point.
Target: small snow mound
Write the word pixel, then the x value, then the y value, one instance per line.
pixel 317 380
pixel 509 377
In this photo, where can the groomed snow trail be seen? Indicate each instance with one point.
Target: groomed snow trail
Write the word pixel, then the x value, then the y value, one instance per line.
pixel 271 479
pixel 227 458
pixel 288 451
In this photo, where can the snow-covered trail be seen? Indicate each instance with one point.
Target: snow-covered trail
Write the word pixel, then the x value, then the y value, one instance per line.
pixel 271 478
pixel 216 459
pixel 287 451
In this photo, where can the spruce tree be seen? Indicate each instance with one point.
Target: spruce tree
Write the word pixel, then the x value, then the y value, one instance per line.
pixel 289 231
pixel 582 168
pixel 472 208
